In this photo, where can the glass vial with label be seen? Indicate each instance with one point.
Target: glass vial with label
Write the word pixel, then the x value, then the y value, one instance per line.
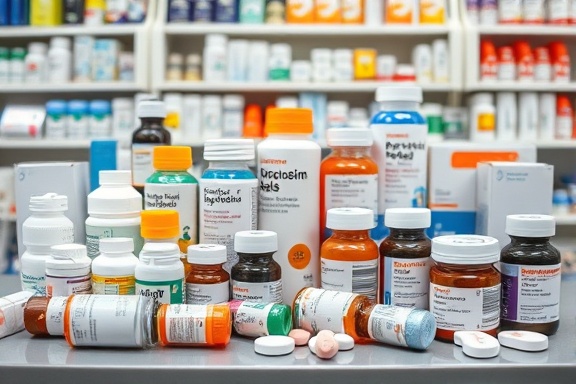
pixel 207 282
pixel 113 270
pixel 68 271
pixel 464 285
pixel 256 277
pixel 530 268
pixel 348 176
pixel 349 258
pixel 404 275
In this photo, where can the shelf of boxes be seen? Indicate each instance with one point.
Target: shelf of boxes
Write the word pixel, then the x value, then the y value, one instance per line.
pixel 513 86
pixel 43 144
pixel 71 30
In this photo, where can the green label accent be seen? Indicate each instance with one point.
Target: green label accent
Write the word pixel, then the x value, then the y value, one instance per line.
pixel 280 74
pixel 164 292
pixel 94 234
pixel 435 124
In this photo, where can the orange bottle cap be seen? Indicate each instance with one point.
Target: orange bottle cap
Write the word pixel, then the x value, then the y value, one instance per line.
pixel 289 120
pixel 159 224
pixel 563 103
pixel 172 157
pixel 220 320
pixel 487 48
pixel 253 121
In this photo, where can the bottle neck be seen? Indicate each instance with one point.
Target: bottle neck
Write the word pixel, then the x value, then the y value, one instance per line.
pixel 338 234
pixel 529 241
pixel 464 267
pixel 255 258
pixel 206 267
pixel 355 152
pixel 237 164
pixel 46 214
pixel 399 106
pixel 408 234
pixel 152 121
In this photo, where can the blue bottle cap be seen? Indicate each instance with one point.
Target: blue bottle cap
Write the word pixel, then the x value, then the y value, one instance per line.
pixel 56 107
pixel 100 107
pixel 77 107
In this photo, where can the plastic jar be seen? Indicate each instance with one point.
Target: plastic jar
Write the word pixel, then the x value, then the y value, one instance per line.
pixel 160 274
pixel 464 285
pixel 279 62
pixel 256 277
pixel 46 226
pixel 260 319
pixel 405 258
pixel 214 57
pixel 77 122
pixel 174 67
pixel 207 282
pixel 114 211
pixel 45 315
pixel 530 268
pixel 35 65
pixel 68 271
pixel 192 72
pixel 60 60
pixel 113 270
pixel 55 119
pixel 100 120
pixel 482 118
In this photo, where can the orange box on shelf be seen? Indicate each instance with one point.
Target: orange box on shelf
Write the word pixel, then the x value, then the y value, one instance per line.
pixel 399 11
pixel 327 11
pixel 299 11
pixel 364 64
pixel 432 11
pixel 353 11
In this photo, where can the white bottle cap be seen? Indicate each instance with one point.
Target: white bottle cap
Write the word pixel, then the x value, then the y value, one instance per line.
pixel 215 39
pixel 37 48
pixel 477 344
pixel 151 108
pixel 212 100
pixel 274 345
pixel 482 98
pixel 342 54
pixel 233 101
pixel 403 93
pixel 465 249
pixel 229 149
pixel 407 218
pixel 159 251
pixel 349 137
pixel 524 340
pixel 351 219
pixel 207 254
pixel 115 177
pixel 50 202
pixel 116 245
pixel 175 59
pixel 431 109
pixel 530 225
pixel 68 257
pixel 116 196
pixel 122 103
pixel 60 42
pixel 255 242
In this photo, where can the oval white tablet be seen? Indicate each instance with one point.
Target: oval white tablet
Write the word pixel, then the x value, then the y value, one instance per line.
pixel 524 340
pixel 312 344
pixel 345 342
pixel 274 345
pixel 477 344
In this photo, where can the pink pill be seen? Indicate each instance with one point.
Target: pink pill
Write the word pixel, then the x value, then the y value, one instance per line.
pixel 326 345
pixel 300 336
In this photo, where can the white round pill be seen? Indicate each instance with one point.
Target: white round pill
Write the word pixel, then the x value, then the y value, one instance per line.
pixel 345 342
pixel 274 345
pixel 312 344
pixel 524 340
pixel 477 344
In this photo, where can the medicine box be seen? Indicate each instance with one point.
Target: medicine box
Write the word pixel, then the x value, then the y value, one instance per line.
pixel 83 55
pixel 505 188
pixel 65 178
pixel 105 62
pixel 452 181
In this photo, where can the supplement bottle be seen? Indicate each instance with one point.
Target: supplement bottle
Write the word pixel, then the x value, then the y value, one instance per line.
pixel 207 282
pixel 46 226
pixel 45 316
pixel 214 57
pixel 348 176
pixel 356 315
pixel 404 274
pixel 68 271
pixel 482 118
pixel 256 277
pixel 289 201
pixel 55 119
pixel 530 268
pixel 252 319
pixel 100 121
pixel 113 270
pixel 228 194
pixel 59 60
pixel 349 258
pixel 172 187
pixel 17 66
pixel 399 149
pixel 77 122
pixel 114 211
pixel 150 134
pixel 464 285
pixel 35 66
pixel 160 274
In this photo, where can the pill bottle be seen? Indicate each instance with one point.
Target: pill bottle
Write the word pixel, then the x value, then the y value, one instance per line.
pixel 228 194
pixel 211 117
pixel 509 11
pixel 558 11
pixel 60 60
pixel 560 59
pixel 203 11
pixel 543 64
pixel 232 115
pixel 317 309
pixel 160 273
pixel 100 120
pixel 207 282
pixel 113 270
pixel 4 65
pixel 252 319
pixel 528 118
pixel 348 175
pixel 547 116
pixel 122 118
pixel 36 66
pixel 44 316
pixel 114 211
pixel 253 121
pixel 464 285
pixel 46 226
pixel 432 112
pixel 349 258
pixel 405 259
pixel 279 62
pixel 77 122
pixel 187 325
pixel 68 270
pixel 524 61
pixel 214 57
pixel 530 268
pixel 488 12
pixel 174 67
pixel 482 118
pixel 256 277
pixel 506 64
pixel 259 52
pixel 17 66
pixel 11 308
pixel 399 149
pixel 192 69
pixel 488 61
pixel 533 11
pixel 564 118
pixel 289 200
pixel 506 116
pixel 55 127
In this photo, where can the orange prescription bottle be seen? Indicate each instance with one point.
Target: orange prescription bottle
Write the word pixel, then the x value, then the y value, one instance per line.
pixel 208 282
pixel 348 176
pixel 488 61
pixel 432 11
pixel 253 121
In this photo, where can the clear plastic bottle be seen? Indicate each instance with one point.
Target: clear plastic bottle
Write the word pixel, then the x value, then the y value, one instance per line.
pixel 113 270
pixel 160 273
pixel 60 60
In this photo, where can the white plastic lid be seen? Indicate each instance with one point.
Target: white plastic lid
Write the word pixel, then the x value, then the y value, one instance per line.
pixel 115 195
pixel 482 98
pixel 477 344
pixel 215 100
pixel 407 218
pixel 321 54
pixel 524 340
pixel 159 251
pixel 337 107
pixel 258 45
pixel 255 242
pixel 215 39
pixel 349 137
pixel 50 202
pixel 122 103
pixel 116 245
pixel 233 101
pixel 151 108
pixel 465 249
pixel 60 42
pixel 175 59
pixel 229 149
pixel 431 109
pixel 274 345
pixel 193 59
pixel 37 48
pixel 207 254
pixel 352 219
pixel 530 225
pixel 358 114
pixel 403 93
pixel 343 55
pixel 68 256
pixel 115 177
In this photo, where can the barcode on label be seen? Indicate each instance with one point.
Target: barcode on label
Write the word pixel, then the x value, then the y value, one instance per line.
pixel 490 306
pixel 254 212
pixel 365 279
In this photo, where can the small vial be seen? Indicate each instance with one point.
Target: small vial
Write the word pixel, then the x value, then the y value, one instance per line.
pixel 193 73
pixel 11 308
pixel 260 319
pixel 68 270
pixel 207 282
pixel 44 316
pixel 113 270
pixel 174 68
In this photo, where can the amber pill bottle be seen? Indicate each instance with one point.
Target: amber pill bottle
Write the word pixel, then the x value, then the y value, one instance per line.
pixel 207 282
pixel 530 269
pixel 465 285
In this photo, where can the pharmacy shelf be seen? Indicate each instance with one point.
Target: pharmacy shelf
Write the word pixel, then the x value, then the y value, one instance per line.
pixel 106 87
pixel 70 30
pixel 531 30
pixel 556 144
pixel 514 86
pixel 43 144
pixel 565 219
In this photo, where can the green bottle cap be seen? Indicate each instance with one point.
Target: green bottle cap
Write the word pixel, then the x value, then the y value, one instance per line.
pixel 279 321
pixel 17 53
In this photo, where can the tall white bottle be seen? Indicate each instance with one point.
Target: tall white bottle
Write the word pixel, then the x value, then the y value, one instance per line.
pixel 289 200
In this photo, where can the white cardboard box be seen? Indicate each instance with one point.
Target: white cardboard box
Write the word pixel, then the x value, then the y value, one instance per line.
pixel 505 188
pixel 65 178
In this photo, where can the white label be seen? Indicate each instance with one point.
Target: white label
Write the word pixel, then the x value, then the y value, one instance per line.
pixel 94 234
pixel 232 123
pixel 33 271
pixel 207 293
pixel 227 207
pixel 77 128
pixel 507 71
pixel 66 286
pixel 269 292
pixel 179 197
pixel 142 166
pixel 4 71
pixel 564 127
pixel 387 324
pixel 558 11
pixel 16 71
pixel 360 277
pixel 12 312
pixel 109 321
pixel 530 293
pixel 534 11
pixel 33 283
pixel 406 282
pixel 186 324
pixel 470 309
pixel 318 309
pixel 164 292
pixel 100 127
pixel 55 127
pixel 55 315
pixel 352 191
pixel 400 152
pixel 510 11
pixel 251 319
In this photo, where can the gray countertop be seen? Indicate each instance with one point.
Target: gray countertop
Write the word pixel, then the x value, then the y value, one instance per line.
pixel 24 358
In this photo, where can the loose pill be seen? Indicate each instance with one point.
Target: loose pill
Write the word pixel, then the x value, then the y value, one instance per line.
pixel 524 340
pixel 345 342
pixel 477 344
pixel 274 345
pixel 300 336
pixel 326 345
pixel 312 344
